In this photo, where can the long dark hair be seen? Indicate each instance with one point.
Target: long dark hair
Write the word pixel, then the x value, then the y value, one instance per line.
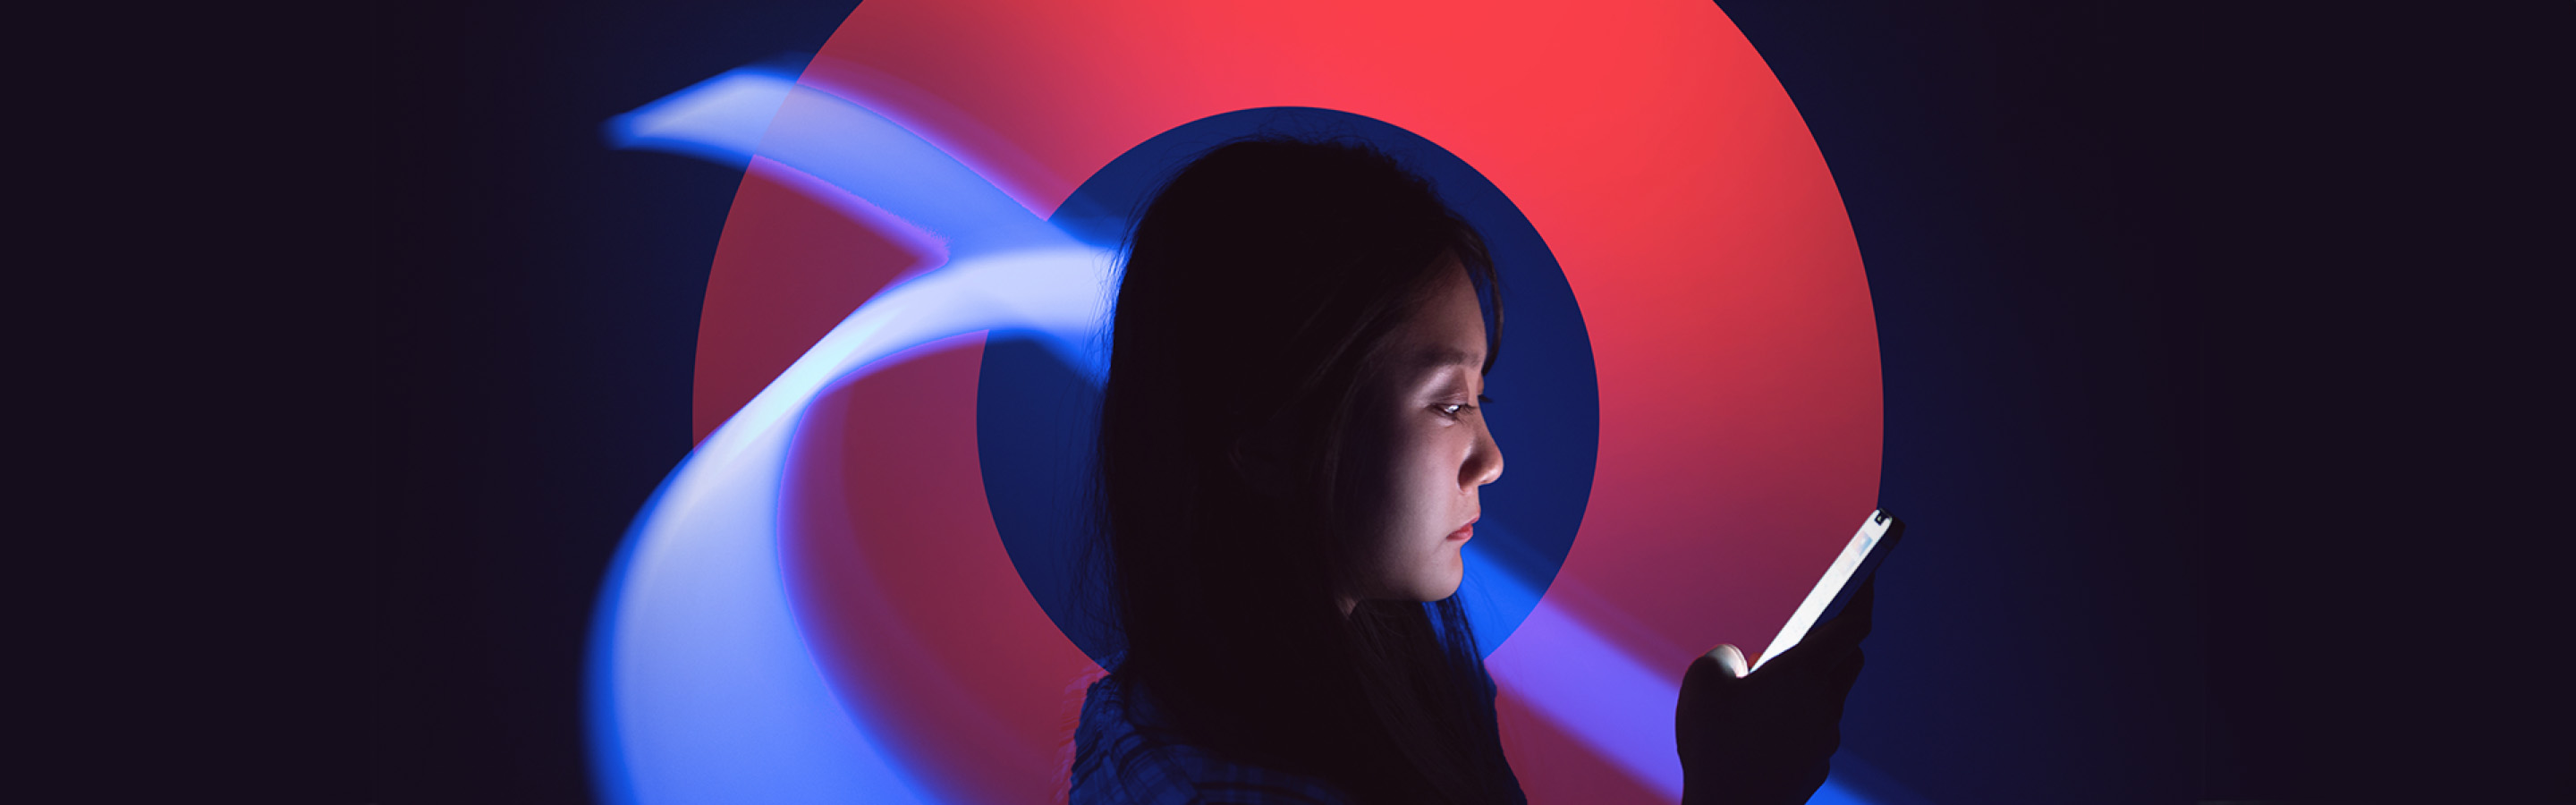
pixel 1259 285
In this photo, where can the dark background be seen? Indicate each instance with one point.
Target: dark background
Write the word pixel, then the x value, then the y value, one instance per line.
pixel 2218 343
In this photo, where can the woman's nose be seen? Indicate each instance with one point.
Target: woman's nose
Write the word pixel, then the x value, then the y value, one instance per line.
pixel 1484 461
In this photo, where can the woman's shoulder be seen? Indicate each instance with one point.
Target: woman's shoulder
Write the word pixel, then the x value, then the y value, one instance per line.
pixel 1121 756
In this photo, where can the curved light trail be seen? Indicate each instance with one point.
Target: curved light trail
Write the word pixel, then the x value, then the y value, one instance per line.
pixel 702 688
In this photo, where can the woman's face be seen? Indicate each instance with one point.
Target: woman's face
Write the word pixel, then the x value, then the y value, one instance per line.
pixel 1418 451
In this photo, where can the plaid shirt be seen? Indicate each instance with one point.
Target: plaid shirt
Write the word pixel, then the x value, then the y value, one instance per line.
pixel 1115 765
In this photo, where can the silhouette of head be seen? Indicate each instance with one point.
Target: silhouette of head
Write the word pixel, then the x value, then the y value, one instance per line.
pixel 1290 443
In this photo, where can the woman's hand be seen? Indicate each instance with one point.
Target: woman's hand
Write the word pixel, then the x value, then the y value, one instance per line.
pixel 1766 739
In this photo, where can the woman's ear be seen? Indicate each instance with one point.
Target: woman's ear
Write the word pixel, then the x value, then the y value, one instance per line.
pixel 1262 457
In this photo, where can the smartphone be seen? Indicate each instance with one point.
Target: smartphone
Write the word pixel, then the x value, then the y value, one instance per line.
pixel 1859 559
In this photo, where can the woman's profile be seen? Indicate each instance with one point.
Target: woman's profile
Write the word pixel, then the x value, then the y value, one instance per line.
pixel 1290 458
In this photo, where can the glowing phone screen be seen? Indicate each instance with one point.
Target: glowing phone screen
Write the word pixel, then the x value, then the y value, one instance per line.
pixel 1835 589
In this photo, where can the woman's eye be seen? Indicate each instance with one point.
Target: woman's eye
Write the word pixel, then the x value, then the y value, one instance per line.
pixel 1450 409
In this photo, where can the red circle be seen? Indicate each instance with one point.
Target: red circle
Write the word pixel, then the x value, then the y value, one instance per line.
pixel 1647 142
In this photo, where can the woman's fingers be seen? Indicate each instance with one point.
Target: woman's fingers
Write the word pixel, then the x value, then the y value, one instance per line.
pixel 1847 673
pixel 1823 651
pixel 1862 604
pixel 1769 736
pixel 1844 632
pixel 1858 613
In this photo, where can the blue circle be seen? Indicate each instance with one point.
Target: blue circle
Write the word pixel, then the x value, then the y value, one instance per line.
pixel 1036 417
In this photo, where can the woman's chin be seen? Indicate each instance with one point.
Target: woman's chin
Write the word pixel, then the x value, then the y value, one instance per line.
pixel 1438 581
pixel 1433 593
pixel 1449 587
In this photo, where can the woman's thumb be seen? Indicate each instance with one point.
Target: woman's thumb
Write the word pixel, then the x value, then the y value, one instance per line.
pixel 1729 659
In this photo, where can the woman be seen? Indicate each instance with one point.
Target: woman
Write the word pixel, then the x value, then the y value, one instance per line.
pixel 1291 451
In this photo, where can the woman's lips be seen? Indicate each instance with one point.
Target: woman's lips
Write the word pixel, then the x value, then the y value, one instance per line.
pixel 1464 532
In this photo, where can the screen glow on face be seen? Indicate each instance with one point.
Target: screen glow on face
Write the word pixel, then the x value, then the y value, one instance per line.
pixel 1418 452
pixel 763 637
